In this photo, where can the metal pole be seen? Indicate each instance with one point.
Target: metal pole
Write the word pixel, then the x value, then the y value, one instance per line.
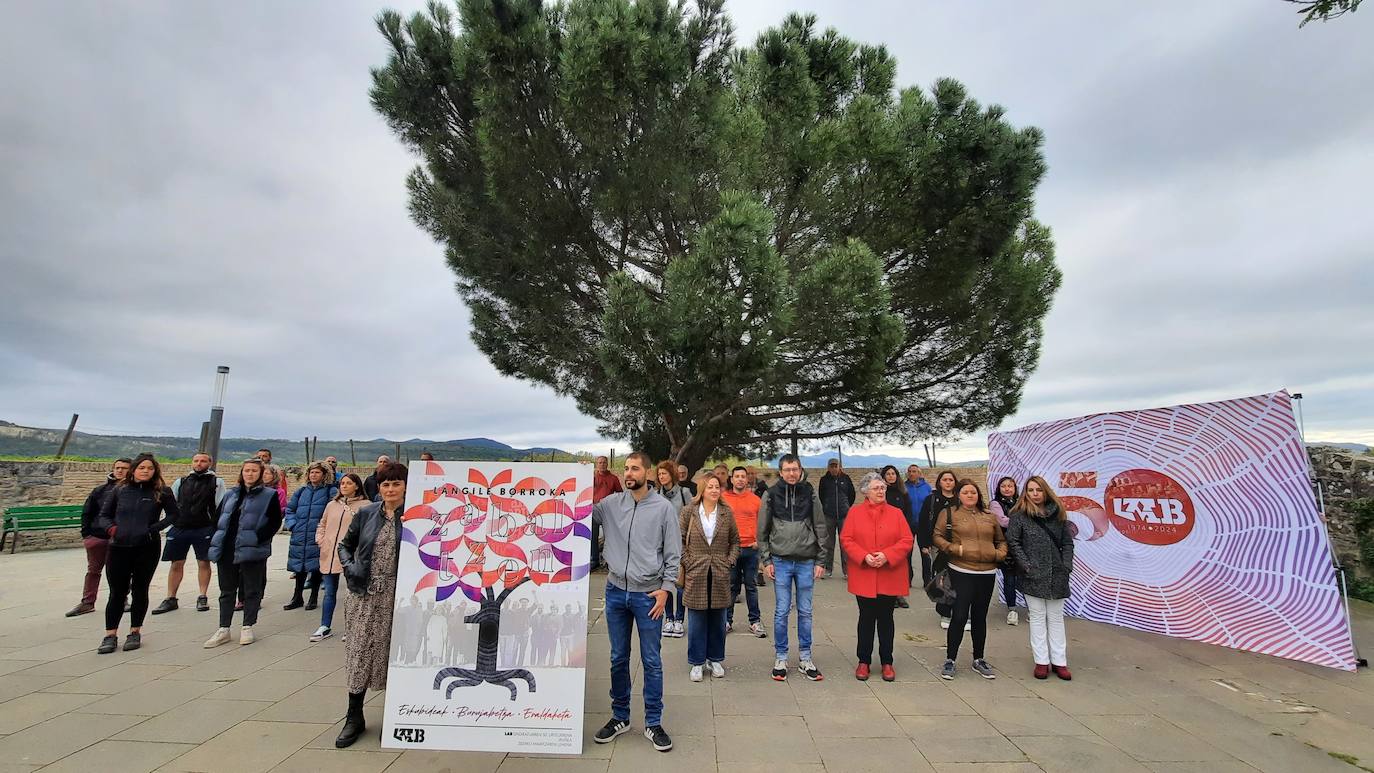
pixel 67 437
pixel 216 415
pixel 204 435
pixel 352 452
pixel 307 449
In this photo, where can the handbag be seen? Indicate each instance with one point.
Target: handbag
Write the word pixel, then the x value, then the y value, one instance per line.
pixel 940 589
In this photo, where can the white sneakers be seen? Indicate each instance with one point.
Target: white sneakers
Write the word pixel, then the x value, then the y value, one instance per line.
pixel 321 633
pixel 944 622
pixel 673 629
pixel 717 670
pixel 221 636
pixel 1012 617
pixel 696 674
pixel 968 624
pixel 246 635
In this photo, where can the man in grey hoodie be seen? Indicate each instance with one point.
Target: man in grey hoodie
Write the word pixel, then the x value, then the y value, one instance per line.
pixel 792 550
pixel 643 553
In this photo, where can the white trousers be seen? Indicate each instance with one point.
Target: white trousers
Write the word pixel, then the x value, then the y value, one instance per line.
pixel 1048 642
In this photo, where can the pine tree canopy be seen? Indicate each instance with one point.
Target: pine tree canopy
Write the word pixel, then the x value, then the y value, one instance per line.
pixel 709 246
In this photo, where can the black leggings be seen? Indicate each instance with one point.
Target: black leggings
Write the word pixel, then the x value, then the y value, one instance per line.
pixel 129 569
pixel 876 613
pixel 248 579
pixel 972 595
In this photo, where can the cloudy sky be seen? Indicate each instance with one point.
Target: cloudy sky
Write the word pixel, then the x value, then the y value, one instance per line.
pixel 188 185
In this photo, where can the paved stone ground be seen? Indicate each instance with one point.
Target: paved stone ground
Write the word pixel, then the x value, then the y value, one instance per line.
pixel 1137 703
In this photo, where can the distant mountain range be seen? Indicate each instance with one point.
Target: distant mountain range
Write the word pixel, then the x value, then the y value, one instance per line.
pixel 16 440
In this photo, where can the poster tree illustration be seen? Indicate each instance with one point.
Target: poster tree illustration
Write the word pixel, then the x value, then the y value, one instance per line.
pixel 480 532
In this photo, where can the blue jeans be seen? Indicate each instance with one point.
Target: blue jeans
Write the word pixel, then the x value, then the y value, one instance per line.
pixel 785 573
pixel 745 575
pixel 705 636
pixel 331 596
pixel 674 610
pixel 625 611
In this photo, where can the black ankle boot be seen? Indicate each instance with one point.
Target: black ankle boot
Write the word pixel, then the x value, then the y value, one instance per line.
pixel 314 599
pixel 354 725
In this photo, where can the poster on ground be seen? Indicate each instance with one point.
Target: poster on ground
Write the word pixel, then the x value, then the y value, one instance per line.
pixel 1196 521
pixel 488 645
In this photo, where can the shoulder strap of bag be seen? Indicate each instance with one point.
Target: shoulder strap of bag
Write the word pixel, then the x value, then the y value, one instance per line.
pixel 1058 544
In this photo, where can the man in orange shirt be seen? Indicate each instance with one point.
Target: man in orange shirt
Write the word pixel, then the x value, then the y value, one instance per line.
pixel 744 503
pixel 604 484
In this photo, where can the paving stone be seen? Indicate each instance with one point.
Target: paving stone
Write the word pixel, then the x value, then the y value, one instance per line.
pixel 16 685
pixel 247 747
pixel 1153 739
pixel 933 700
pixel 865 755
pixel 959 739
pixel 446 762
pixel 323 705
pixel 58 737
pixel 787 741
pixel 10 666
pixel 690 753
pixel 264 686
pixel 194 722
pixel 150 699
pixel 115 679
pixel 120 757
pixel 55 650
pixel 1214 766
pixel 337 761
pixel 1029 716
pixel 1074 754
pixel 29 710
pixel 856 718
pixel 531 765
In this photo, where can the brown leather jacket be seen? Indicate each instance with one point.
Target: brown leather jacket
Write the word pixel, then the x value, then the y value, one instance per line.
pixel 977 542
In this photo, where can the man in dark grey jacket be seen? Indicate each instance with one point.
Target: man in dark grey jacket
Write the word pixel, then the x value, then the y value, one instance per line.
pixel 643 553
pixel 792 550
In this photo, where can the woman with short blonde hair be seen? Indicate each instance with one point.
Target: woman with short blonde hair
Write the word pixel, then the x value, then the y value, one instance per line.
pixel 1042 546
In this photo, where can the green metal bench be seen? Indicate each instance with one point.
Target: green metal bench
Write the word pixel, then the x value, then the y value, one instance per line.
pixel 37 518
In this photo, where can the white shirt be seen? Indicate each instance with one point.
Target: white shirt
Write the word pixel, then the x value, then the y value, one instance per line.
pixel 708 522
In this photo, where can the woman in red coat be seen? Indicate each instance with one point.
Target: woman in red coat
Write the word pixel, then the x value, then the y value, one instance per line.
pixel 876 541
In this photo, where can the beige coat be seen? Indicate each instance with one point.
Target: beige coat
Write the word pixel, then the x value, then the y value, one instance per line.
pixel 333 526
pixel 701 559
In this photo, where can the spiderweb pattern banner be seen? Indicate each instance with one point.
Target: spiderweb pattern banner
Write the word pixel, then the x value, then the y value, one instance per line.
pixel 1196 521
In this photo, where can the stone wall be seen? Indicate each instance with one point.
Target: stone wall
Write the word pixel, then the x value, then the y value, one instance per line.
pixel 1345 477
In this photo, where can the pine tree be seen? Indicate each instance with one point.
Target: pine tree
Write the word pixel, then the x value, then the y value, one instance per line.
pixel 710 246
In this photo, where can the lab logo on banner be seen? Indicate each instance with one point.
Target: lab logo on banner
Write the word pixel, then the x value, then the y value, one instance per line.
pixel 1149 507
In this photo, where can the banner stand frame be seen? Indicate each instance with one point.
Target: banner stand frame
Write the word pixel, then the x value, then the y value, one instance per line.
pixel 1360 662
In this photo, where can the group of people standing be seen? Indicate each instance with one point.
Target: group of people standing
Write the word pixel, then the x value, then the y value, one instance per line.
pixel 667 551
pixel 230 530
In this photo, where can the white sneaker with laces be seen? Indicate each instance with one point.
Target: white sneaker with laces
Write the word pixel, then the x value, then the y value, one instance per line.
pixel 696 674
pixel 221 636
pixel 321 634
pixel 1012 617
pixel 717 670
pixel 246 635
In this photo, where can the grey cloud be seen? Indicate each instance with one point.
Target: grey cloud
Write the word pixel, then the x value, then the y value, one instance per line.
pixel 187 185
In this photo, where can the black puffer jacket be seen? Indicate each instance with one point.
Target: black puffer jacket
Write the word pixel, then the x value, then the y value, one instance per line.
pixel 132 510
pixel 1043 550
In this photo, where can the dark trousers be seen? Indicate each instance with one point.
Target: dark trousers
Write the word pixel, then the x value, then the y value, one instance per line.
pixel 250 577
pixel 129 570
pixel 972 596
pixel 743 574
pixel 596 544
pixel 96 548
pixel 1009 585
pixel 833 525
pixel 876 614
pixel 314 577
pixel 926 574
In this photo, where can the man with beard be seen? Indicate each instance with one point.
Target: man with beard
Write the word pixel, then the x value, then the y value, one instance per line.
pixel 792 548
pixel 643 556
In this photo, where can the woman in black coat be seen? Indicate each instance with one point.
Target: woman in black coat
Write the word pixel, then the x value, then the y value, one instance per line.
pixel 132 517
pixel 897 497
pixel 1042 546
pixel 941 496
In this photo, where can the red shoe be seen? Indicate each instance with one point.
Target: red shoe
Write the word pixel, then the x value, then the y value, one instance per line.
pixel 1063 673
pixel 1042 671
pixel 861 672
pixel 889 675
